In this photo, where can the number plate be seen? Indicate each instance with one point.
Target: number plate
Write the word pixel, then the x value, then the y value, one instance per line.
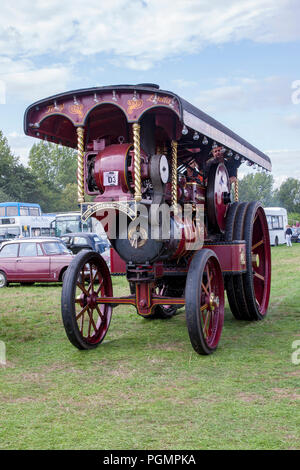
pixel 110 178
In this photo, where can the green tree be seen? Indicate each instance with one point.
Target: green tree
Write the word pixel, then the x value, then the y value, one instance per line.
pixel 68 201
pixel 8 163
pixel 4 197
pixel 54 170
pixel 289 195
pixel 53 165
pixel 257 187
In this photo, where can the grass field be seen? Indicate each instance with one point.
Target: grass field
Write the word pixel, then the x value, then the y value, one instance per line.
pixel 144 387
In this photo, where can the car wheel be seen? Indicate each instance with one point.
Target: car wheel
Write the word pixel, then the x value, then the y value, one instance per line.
pixel 3 280
pixel 63 275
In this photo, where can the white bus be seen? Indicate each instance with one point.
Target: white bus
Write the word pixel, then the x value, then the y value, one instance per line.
pixel 70 222
pixel 20 219
pixel 277 222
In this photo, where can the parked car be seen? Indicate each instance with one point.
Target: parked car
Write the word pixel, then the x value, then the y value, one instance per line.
pixel 33 260
pixel 84 241
pixel 87 241
pixel 296 235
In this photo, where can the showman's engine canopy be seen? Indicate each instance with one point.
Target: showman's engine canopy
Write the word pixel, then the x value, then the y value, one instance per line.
pixel 162 177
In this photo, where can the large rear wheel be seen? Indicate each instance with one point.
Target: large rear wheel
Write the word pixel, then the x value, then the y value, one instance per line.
pixel 86 321
pixel 234 282
pixel 248 294
pixel 204 302
pixel 257 279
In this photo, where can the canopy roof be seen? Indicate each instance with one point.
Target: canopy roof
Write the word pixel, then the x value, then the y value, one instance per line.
pixel 56 118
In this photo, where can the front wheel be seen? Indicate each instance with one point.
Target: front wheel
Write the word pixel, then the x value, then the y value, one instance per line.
pixel 3 280
pixel 85 319
pixel 204 302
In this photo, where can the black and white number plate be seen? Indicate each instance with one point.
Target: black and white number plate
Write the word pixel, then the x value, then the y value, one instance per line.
pixel 110 178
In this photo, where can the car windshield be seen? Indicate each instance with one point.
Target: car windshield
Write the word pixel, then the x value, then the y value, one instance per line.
pixel 6 232
pixel 55 248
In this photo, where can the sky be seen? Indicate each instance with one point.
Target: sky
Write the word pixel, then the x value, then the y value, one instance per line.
pixel 237 60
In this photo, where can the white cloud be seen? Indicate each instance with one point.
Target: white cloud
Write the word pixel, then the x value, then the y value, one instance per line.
pixel 285 163
pixel 140 33
pixel 246 94
pixel 25 81
pixel 20 145
pixel 293 121
pixel 182 83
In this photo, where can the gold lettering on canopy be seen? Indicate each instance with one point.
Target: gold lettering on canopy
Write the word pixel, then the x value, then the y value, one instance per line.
pixel 160 99
pixel 52 108
pixel 76 109
pixel 134 104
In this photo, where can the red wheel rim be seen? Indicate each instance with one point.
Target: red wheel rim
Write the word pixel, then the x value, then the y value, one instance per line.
pixel 261 261
pixel 93 319
pixel 212 303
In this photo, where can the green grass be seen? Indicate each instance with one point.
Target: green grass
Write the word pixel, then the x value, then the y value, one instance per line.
pixel 144 387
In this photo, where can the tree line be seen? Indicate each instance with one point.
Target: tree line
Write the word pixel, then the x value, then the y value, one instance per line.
pixel 50 180
pixel 260 187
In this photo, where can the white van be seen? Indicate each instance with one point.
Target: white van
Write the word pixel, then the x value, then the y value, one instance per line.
pixel 277 222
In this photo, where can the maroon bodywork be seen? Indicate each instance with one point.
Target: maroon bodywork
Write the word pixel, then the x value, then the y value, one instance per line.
pixel 117 264
pixel 39 268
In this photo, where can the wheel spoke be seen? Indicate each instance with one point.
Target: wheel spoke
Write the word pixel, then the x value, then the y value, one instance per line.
pixel 98 290
pixel 259 276
pixel 81 312
pixel 257 244
pixel 81 323
pixel 204 307
pixel 99 312
pixel 208 279
pixel 91 322
pixel 81 286
pixel 205 289
pixel 92 278
pixel 206 324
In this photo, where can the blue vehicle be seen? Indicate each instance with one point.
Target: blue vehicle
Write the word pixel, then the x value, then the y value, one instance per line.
pixel 22 219
pixel 85 241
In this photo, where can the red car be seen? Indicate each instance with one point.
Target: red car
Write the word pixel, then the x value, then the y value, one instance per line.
pixel 33 260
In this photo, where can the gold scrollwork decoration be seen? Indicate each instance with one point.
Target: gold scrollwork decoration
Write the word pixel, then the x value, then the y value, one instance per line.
pixel 80 171
pixel 127 207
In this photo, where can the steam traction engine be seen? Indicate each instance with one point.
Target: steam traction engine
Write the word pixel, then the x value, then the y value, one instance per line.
pixel 162 175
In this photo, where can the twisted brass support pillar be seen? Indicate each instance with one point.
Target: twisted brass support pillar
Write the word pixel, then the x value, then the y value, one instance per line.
pixel 236 189
pixel 80 172
pixel 174 173
pixel 137 162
